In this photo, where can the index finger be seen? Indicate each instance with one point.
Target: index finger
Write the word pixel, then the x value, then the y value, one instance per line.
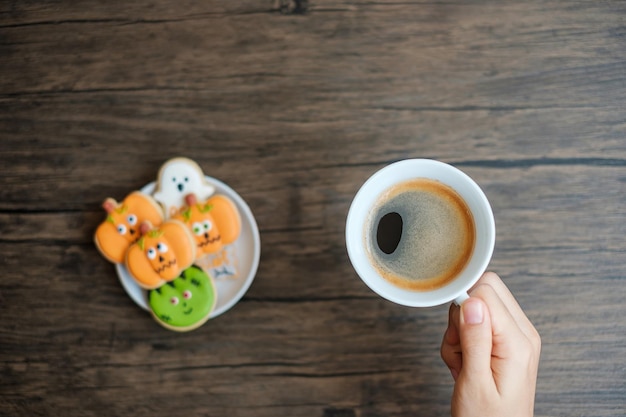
pixel 493 280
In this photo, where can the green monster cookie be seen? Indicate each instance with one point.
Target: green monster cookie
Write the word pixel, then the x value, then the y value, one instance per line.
pixel 184 303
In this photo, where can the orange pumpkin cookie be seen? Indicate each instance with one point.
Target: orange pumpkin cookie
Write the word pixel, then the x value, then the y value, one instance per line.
pixel 226 217
pixel 214 223
pixel 121 227
pixel 161 254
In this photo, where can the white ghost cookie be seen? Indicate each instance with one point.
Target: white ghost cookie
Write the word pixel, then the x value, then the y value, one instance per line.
pixel 179 177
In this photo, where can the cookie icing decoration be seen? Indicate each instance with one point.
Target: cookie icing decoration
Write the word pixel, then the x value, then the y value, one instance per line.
pixel 161 253
pixel 177 178
pixel 213 223
pixel 120 229
pixel 221 265
pixel 184 303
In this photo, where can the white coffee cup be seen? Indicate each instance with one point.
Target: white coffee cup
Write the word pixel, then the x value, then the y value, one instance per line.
pixel 365 200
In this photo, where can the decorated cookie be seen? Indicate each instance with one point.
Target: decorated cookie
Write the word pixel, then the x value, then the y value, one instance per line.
pixel 213 223
pixel 226 216
pixel 161 253
pixel 177 178
pixel 184 303
pixel 121 227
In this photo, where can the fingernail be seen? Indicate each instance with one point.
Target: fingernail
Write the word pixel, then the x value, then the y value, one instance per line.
pixel 473 312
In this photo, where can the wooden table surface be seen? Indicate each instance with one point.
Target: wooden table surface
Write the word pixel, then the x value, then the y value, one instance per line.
pixel 294 105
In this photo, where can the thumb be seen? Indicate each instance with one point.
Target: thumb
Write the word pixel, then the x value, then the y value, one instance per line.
pixel 476 340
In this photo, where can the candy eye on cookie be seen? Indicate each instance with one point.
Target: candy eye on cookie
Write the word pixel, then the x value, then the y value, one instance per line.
pixel 200 228
pixel 129 231
pixel 161 258
pixel 131 219
pixel 162 247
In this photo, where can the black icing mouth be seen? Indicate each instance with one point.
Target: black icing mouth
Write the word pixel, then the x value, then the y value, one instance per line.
pixel 180 186
pixel 167 265
pixel 188 312
pixel 208 241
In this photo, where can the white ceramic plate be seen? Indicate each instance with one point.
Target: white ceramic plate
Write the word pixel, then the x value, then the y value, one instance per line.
pixel 247 249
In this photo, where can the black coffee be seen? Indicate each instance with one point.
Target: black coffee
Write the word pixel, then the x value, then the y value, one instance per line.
pixel 420 234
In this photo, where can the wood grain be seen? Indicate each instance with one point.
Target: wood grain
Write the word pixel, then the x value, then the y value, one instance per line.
pixel 294 104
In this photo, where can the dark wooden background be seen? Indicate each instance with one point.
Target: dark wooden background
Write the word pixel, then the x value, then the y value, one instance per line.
pixel 294 105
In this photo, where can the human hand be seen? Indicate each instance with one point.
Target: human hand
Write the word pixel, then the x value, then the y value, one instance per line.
pixel 492 350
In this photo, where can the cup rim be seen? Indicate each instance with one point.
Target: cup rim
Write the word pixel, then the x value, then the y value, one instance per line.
pixel 398 172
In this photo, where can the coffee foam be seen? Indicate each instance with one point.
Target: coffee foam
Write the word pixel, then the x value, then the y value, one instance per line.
pixel 437 237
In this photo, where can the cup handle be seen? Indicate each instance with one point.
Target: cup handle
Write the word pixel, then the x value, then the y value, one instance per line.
pixel 461 298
